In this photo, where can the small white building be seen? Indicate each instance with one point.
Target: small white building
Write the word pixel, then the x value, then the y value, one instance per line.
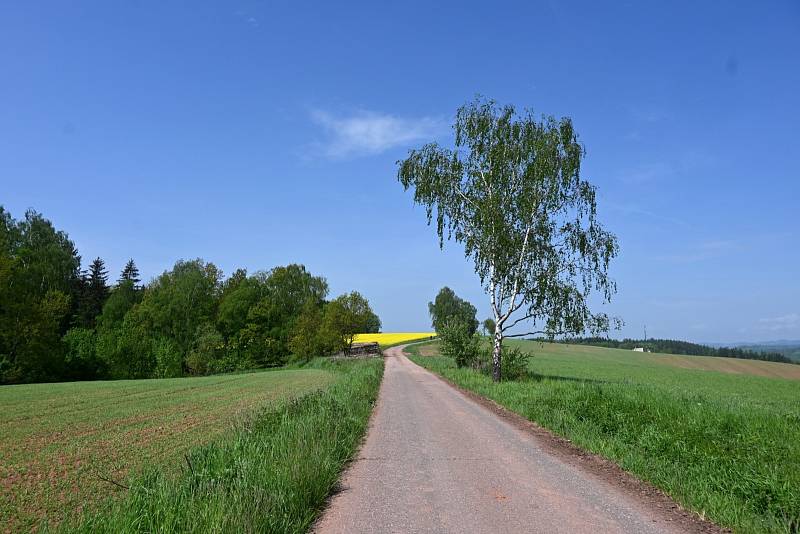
pixel 638 349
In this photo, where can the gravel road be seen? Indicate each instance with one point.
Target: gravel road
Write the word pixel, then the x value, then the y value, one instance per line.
pixel 435 460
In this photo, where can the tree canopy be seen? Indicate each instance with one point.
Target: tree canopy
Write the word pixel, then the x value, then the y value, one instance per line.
pixel 39 279
pixel 511 192
pixel 59 324
pixel 448 308
pixel 345 316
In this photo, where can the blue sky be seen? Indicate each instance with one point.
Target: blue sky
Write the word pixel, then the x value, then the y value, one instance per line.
pixel 261 133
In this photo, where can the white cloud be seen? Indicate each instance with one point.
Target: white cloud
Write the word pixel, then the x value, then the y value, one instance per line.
pixel 246 17
pixel 368 132
pixel 784 322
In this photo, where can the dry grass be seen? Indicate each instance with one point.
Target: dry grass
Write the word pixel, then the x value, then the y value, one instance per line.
pixel 732 365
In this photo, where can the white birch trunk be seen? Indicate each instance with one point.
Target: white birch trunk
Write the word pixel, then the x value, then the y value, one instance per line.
pixel 497 352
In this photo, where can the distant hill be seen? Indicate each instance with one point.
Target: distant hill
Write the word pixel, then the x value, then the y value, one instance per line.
pixel 790 349
pixel 672 346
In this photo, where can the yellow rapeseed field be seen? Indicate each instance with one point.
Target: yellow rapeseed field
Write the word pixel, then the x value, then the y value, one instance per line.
pixel 384 340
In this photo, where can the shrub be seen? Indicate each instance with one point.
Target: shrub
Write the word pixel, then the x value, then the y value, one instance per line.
pixel 458 343
pixel 515 364
pixel 207 347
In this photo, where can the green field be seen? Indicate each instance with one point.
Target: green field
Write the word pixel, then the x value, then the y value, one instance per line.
pixel 722 437
pixel 58 440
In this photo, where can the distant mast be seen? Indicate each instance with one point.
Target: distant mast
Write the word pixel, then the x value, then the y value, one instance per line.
pixel 643 348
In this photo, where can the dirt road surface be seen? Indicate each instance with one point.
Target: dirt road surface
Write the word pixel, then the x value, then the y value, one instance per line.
pixel 435 460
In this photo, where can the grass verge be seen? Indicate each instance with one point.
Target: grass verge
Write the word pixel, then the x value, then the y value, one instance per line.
pixel 272 475
pixel 731 457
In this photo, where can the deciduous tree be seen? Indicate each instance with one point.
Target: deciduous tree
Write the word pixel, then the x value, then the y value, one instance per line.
pixel 308 338
pixel 39 269
pixel 511 192
pixel 285 290
pixel 122 298
pixel 345 316
pixel 448 307
pixel 177 303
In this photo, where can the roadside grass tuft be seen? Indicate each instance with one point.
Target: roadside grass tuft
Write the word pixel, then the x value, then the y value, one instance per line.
pixel 726 446
pixel 272 475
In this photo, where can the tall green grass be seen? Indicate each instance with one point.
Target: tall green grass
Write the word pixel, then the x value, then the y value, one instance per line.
pixel 272 475
pixel 726 446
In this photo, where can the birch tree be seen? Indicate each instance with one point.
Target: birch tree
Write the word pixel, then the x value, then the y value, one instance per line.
pixel 511 192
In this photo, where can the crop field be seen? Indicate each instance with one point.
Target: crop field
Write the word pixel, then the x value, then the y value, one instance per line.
pixel 270 474
pixel 59 441
pixel 389 339
pixel 720 436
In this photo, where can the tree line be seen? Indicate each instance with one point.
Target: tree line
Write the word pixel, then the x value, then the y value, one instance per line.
pixel 789 349
pixel 59 322
pixel 673 346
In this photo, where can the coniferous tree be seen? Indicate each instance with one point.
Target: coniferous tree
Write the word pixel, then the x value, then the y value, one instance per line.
pixel 130 273
pixel 98 271
pixel 93 293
